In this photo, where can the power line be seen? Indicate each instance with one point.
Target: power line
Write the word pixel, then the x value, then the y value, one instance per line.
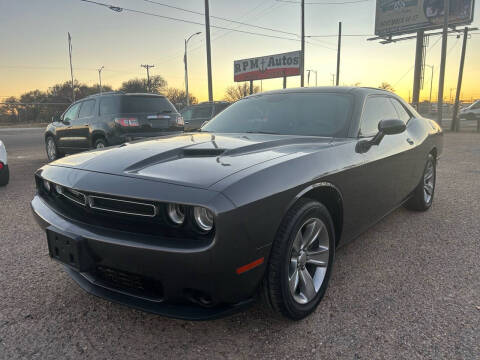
pixel 119 9
pixel 219 18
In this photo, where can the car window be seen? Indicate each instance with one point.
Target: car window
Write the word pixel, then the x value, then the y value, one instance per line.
pixel 219 108
pixel 86 109
pixel 401 111
pixel 304 114
pixel 201 112
pixel 71 113
pixel 146 104
pixel 187 114
pixel 109 105
pixel 376 108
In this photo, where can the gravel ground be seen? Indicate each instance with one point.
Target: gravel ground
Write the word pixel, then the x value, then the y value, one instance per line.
pixel 409 288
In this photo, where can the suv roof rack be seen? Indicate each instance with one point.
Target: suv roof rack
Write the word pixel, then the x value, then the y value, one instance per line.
pixel 106 93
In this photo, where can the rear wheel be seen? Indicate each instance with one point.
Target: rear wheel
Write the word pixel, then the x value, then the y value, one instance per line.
pixel 423 194
pixel 100 143
pixel 301 260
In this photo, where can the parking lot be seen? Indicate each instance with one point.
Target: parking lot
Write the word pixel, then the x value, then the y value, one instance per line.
pixel 408 288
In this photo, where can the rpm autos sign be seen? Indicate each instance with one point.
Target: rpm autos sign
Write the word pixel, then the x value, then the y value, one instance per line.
pixel 267 67
pixel 394 17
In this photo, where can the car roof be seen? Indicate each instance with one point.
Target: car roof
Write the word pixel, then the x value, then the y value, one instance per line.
pixel 121 93
pixel 328 89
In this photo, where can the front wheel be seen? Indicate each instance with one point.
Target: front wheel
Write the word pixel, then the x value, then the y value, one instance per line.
pixel 422 197
pixel 301 260
pixel 100 143
pixel 52 151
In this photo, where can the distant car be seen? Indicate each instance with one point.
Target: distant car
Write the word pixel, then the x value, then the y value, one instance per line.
pixel 4 172
pixel 471 112
pixel 195 226
pixel 195 115
pixel 110 119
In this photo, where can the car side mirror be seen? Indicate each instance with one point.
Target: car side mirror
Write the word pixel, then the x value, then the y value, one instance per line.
pixel 66 121
pixel 385 127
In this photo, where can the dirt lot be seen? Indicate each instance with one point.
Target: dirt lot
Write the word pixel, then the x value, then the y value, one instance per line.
pixel 409 288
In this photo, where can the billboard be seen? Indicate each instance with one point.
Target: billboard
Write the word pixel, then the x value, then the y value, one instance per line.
pixel 395 17
pixel 267 67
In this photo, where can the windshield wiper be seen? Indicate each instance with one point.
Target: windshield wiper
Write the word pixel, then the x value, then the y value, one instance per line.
pixel 261 132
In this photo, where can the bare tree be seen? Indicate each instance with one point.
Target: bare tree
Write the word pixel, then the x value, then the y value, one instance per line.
pixel 386 86
pixel 178 97
pixel 157 85
pixel 239 91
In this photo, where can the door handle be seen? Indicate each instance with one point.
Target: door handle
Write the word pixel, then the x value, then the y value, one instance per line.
pixel 410 141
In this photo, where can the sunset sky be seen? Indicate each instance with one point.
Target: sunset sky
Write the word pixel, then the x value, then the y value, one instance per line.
pixel 34 52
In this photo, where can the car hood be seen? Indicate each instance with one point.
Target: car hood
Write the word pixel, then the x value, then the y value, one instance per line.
pixel 192 159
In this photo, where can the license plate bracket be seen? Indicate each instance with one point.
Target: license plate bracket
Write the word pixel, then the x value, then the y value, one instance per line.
pixel 68 249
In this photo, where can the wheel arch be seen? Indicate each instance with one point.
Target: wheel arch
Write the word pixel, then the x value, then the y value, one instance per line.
pixel 97 134
pixel 331 197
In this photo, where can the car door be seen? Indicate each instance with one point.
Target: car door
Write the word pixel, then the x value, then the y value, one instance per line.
pixel 200 114
pixel 64 132
pixel 80 131
pixel 387 164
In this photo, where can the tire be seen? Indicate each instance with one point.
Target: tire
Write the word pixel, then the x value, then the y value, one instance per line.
pixel 286 261
pixel 4 176
pixel 53 153
pixel 100 143
pixel 422 198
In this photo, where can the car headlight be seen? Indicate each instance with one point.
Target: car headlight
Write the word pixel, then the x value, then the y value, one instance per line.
pixel 47 186
pixel 176 213
pixel 203 218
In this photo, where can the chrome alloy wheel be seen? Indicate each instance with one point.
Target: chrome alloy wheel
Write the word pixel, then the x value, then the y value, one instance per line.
pixel 428 181
pixel 308 260
pixel 51 149
pixel 100 145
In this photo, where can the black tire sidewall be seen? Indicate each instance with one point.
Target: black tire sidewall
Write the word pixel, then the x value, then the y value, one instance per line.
pixel 100 140
pixel 309 210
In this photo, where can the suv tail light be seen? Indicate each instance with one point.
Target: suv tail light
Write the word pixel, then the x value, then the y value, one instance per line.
pixel 1 165
pixel 180 121
pixel 127 122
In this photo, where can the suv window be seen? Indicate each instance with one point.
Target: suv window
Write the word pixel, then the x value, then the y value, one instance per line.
pixel 402 112
pixel 146 104
pixel 87 109
pixel 109 105
pixel 202 112
pixel 71 113
pixel 376 108
pixel 220 107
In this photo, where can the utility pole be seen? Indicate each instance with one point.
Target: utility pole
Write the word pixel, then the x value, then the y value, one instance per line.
pixel 302 74
pixel 251 87
pixel 431 83
pixel 338 51
pixel 186 66
pixel 333 79
pixel 443 59
pixel 308 77
pixel 100 78
pixel 209 55
pixel 418 69
pixel 148 75
pixel 71 67
pixel 455 121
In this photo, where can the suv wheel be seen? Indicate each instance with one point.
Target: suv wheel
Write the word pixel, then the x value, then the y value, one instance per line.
pixel 100 143
pixel 52 150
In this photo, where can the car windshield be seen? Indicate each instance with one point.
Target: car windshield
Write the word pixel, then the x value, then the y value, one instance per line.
pixel 306 114
pixel 148 104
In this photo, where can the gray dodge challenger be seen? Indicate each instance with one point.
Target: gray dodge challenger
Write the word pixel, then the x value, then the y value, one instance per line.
pixel 255 204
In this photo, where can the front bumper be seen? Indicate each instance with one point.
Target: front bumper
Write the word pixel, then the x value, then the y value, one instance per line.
pixel 183 272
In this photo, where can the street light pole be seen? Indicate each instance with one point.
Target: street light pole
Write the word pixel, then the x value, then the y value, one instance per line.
pixel 209 52
pixel 302 69
pixel 100 78
pixel 186 66
pixel 431 83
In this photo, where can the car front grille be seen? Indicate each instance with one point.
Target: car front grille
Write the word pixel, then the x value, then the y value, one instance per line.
pixel 133 284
